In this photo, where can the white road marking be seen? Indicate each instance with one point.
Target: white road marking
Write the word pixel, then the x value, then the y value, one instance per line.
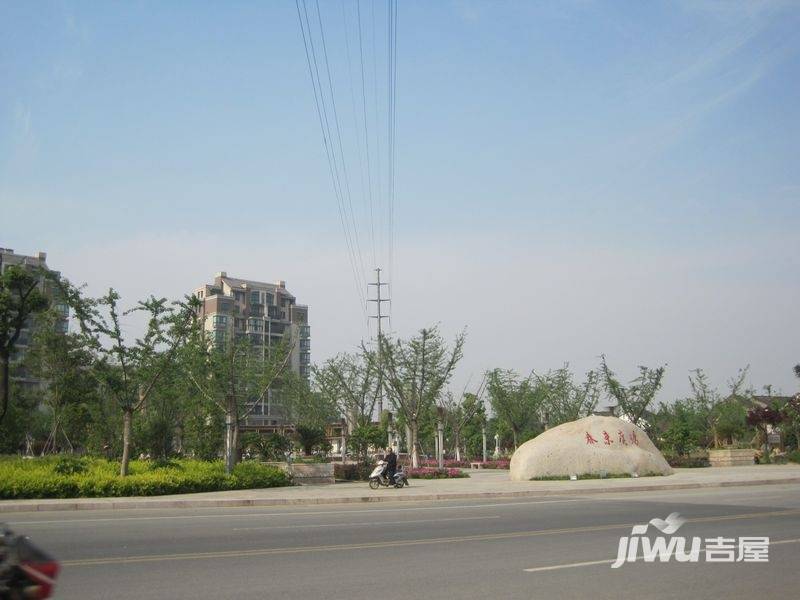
pixel 292 514
pixel 362 523
pixel 612 560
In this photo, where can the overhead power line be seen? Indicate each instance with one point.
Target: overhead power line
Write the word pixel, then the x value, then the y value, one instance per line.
pixel 370 143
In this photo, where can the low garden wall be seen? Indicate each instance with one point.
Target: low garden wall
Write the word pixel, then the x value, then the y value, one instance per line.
pixel 731 457
pixel 307 473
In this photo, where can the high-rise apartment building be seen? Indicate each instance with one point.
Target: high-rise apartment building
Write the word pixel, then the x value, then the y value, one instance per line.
pixel 9 258
pixel 265 313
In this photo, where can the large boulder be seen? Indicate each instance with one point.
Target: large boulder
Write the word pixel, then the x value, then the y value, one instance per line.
pixel 601 446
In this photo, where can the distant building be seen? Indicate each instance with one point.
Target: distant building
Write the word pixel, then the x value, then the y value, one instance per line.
pixel 9 258
pixel 264 313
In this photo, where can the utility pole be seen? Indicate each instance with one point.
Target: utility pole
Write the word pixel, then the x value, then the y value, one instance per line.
pixel 380 317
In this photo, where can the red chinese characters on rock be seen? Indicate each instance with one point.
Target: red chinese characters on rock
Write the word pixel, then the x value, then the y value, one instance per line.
pixel 633 438
pixel 607 439
pixel 590 439
pixel 622 440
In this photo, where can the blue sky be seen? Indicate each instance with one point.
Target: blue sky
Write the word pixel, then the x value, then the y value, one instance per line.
pixel 572 178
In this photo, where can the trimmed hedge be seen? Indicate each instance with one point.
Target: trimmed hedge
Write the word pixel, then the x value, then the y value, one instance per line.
pixel 687 462
pixel 69 477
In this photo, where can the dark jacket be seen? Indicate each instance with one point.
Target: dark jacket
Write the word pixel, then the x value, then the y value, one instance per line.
pixel 391 462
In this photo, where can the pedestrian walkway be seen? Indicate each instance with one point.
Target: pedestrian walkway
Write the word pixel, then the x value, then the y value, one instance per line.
pixel 480 484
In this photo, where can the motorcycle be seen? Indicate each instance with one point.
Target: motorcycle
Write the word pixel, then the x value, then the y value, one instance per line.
pixel 25 570
pixel 378 477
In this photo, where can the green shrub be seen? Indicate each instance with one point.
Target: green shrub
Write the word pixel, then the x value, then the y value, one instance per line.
pixel 39 478
pixel 251 474
pixel 69 465
pixel 164 463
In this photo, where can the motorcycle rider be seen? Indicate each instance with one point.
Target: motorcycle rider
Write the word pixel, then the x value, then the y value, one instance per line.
pixel 391 464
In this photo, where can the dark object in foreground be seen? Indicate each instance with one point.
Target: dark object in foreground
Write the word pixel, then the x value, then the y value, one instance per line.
pixel 25 570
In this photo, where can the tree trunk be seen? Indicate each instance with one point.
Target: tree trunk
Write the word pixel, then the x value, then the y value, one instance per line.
pixel 4 390
pixel 228 444
pixel 236 450
pixel 413 446
pixel 514 434
pixel 127 420
pixel 458 447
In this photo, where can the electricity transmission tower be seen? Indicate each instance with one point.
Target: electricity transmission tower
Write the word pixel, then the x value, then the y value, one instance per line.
pixel 379 317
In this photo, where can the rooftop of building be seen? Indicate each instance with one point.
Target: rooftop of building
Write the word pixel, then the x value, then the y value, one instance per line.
pixel 7 255
pixel 236 282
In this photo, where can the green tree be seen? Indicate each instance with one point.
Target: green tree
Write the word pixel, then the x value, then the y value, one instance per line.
pixel 763 418
pixel 364 437
pixel 415 373
pixel 517 402
pixel 63 360
pixel 21 297
pixel 303 405
pixel 129 372
pixel 460 411
pixel 635 399
pixel 683 426
pixel 310 438
pixel 353 383
pixel 566 401
pixel 24 423
pixel 234 377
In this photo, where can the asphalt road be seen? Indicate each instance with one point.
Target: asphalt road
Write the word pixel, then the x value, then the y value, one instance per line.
pixel 518 548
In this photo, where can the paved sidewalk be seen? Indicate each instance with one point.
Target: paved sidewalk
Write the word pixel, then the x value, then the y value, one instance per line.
pixel 480 484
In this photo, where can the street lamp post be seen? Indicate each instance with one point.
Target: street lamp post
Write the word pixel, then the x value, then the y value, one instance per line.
pixel 483 436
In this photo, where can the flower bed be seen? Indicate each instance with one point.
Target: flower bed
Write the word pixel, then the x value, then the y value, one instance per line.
pixel 434 473
pixel 68 477
pixel 448 463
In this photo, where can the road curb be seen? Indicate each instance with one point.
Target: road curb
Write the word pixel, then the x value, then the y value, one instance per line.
pixel 13 507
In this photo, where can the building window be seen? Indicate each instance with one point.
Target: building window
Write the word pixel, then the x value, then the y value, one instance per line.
pixel 255 297
pixel 270 298
pixel 220 320
pixel 238 296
